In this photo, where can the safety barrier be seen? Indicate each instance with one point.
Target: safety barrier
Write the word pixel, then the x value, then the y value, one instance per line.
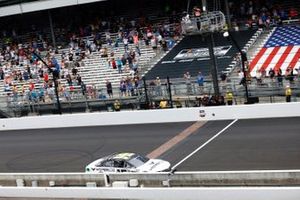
pixel 224 193
pixel 177 179
pixel 181 185
pixel 153 116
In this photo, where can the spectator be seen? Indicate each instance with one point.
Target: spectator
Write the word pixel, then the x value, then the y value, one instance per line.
pixel 153 42
pixel 200 81
pixel 113 63
pixel 119 65
pixel 164 45
pixel 289 75
pixel 123 87
pixel 258 77
pixel 74 71
pixel 229 98
pixel 158 91
pixel 223 77
pixel 15 92
pixel 178 103
pixel 42 94
pixel 83 88
pixel 288 93
pixel 125 42
pixel 187 78
pixel 163 103
pixel 69 79
pixel 46 77
pixel 272 74
pixel 79 80
pixel 117 105
pixel 197 13
pixel 101 95
pixel 109 89
pixel 279 77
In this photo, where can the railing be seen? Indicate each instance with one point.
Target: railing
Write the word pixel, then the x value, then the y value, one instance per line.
pixel 207 22
pixel 187 93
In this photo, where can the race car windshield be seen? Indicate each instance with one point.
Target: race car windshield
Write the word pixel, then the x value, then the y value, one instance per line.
pixel 138 160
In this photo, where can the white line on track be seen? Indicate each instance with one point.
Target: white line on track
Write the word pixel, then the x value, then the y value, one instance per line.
pixel 203 145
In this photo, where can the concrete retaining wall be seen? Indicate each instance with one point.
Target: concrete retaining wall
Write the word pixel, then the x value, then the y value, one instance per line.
pixel 182 179
pixel 204 193
pixel 154 116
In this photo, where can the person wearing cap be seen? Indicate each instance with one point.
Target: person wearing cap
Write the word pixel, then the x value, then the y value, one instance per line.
pixel 288 93
pixel 163 103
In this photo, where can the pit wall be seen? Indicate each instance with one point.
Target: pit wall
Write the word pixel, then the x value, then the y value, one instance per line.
pixel 153 116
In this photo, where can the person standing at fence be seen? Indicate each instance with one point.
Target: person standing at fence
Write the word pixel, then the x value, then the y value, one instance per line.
pixel 229 98
pixel 279 77
pixel 288 93
pixel 158 91
pixel 200 81
pixel 187 78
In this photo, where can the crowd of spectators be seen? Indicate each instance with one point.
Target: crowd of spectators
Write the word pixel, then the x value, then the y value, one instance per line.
pixel 24 75
pixel 261 13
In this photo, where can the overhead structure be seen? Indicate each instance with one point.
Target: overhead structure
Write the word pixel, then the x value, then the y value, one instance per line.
pixel 208 22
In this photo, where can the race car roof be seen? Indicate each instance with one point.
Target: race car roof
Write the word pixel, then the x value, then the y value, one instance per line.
pixel 13 7
pixel 123 156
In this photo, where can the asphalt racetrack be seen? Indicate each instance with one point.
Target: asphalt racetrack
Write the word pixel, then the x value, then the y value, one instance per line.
pixel 260 144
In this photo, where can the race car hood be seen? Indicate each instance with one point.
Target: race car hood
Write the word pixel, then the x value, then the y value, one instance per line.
pixel 155 165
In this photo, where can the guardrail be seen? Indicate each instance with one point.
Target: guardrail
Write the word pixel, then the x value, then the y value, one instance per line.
pixel 291 21
pixel 224 193
pixel 164 179
pixel 153 116
pixel 180 185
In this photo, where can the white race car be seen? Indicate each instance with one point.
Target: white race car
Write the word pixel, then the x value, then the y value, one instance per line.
pixel 127 162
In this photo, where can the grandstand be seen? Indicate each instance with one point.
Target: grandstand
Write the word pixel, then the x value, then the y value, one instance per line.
pixel 79 40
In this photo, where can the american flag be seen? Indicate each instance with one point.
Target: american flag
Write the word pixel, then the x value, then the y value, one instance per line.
pixel 282 50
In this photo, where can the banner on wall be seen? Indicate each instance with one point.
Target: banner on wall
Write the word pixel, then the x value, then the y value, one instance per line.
pixel 189 55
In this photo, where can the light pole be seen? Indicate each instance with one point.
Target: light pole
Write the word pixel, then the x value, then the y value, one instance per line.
pixel 214 70
pixel 169 91
pixel 146 93
pixel 244 59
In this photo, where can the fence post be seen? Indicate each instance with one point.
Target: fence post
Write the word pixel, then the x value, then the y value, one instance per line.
pixel 170 92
